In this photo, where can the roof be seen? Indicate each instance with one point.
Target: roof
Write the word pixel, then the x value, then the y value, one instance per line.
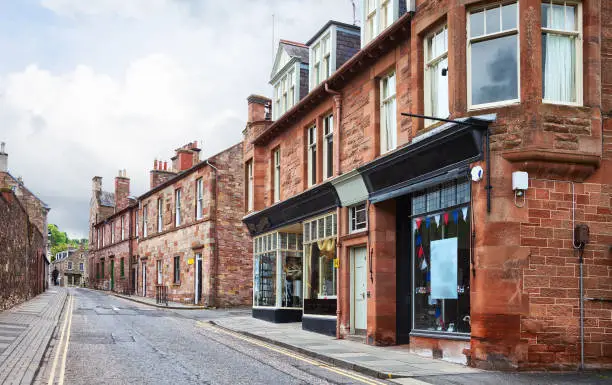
pixel 295 52
pixel 107 199
pixel 387 39
pixel 295 49
pixel 22 185
pixel 327 25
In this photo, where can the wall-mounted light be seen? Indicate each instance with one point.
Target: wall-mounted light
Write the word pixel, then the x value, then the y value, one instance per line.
pixel 520 184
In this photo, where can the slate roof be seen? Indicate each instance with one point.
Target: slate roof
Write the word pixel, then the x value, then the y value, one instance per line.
pixel 295 50
pixel 107 199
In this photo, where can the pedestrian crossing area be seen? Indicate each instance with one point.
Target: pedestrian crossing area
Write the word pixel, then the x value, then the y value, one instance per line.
pixel 9 332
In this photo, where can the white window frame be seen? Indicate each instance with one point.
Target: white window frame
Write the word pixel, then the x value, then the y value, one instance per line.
pixel 312 155
pixel 160 215
pixel 373 14
pixel 177 207
pixel 291 88
pixel 199 198
pixel 352 213
pixel 334 234
pixel 112 228
pixel 383 103
pixel 103 240
pixel 328 136
pixel 578 35
pixel 326 50
pixel 123 227
pixel 277 100
pixel 98 239
pixel 430 64
pixel 160 276
pixel 316 65
pixel 137 227
pixel 492 36
pixel 370 25
pixel 145 220
pixel 250 184
pixel 276 170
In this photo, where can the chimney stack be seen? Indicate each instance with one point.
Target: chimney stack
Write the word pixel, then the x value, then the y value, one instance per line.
pixel 186 157
pixel 3 158
pixel 96 184
pixel 259 108
pixel 160 173
pixel 122 190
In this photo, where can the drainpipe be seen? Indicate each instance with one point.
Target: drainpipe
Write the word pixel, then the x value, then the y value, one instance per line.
pixel 337 117
pixel 215 254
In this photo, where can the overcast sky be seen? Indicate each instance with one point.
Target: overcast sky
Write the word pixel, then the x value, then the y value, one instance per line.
pixel 88 87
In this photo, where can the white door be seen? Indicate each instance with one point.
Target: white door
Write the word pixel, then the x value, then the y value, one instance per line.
pixel 144 279
pixel 359 289
pixel 198 278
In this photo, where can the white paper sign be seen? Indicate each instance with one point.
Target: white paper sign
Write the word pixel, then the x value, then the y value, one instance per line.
pixel 444 269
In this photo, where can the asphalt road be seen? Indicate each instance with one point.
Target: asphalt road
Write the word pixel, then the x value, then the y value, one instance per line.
pixel 115 341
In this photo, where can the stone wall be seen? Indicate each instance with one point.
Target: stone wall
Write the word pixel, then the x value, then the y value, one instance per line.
pixel 21 255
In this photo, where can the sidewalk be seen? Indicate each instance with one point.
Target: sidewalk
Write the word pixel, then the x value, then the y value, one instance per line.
pixel 152 302
pixel 381 362
pixel 25 331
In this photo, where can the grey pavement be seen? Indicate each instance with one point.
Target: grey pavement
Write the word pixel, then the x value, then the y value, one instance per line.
pixel 25 332
pixel 153 302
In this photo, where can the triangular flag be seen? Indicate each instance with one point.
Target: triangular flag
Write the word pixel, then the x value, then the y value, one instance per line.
pixel 456 216
pixel 446 218
pixel 424 264
pixel 417 222
pixel 418 240
pixel 464 212
pixel 438 312
pixel 420 252
pixel 427 220
pixel 437 218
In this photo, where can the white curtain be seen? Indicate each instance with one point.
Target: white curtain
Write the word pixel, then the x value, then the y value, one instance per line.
pixel 559 71
pixel 390 130
pixel 439 87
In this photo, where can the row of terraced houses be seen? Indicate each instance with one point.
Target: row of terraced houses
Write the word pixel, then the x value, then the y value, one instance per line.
pixel 439 178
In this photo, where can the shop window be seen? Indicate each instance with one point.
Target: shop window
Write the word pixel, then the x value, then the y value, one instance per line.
pixel 388 120
pixel 278 284
pixel 441 259
pixel 321 272
pixel 358 218
pixel 328 146
pixel 436 74
pixel 561 51
pixel 493 47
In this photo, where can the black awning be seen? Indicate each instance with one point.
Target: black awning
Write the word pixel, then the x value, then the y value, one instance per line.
pixel 315 201
pixel 442 155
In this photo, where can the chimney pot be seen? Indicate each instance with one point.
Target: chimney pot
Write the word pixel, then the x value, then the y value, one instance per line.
pixel 165 166
pixel 155 165
pixel 195 144
pixel 2 147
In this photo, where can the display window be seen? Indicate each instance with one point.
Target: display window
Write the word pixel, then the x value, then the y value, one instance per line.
pixel 441 258
pixel 277 270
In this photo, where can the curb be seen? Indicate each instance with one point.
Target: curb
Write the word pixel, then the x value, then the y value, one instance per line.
pixel 156 305
pixel 321 357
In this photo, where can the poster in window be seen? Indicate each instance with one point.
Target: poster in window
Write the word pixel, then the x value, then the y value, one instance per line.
pixel 444 269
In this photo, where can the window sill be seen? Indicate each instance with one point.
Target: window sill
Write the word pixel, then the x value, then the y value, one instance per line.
pixel 487 106
pixel 440 335
pixel 557 103
pixel 176 284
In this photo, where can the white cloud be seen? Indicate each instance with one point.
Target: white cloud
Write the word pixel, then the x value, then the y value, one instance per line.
pixel 134 79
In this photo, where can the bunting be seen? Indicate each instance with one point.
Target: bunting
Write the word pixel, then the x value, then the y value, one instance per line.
pixel 445 218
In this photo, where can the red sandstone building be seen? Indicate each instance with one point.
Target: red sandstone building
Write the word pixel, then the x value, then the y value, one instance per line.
pixel 405 230
pixel 183 238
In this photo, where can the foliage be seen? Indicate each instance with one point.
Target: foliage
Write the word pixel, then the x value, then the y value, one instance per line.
pixel 60 241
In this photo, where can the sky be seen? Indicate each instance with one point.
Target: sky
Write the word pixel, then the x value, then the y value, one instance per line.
pixel 89 87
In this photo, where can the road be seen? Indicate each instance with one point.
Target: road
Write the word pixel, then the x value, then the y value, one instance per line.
pixel 115 341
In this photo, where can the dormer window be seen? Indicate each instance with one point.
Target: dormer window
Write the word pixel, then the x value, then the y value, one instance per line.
pixel 287 76
pixel 379 15
pixel 321 56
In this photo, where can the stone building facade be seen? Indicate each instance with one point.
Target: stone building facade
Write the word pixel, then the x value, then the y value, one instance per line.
pixel 72 267
pixel 23 239
pixel 404 197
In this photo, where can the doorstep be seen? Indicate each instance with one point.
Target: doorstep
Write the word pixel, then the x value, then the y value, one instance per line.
pixel 153 302
pixel 375 361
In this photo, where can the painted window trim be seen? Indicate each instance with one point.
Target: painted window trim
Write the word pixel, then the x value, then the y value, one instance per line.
pixel 383 102
pixel 328 124
pixel 378 25
pixel 351 216
pixel 427 73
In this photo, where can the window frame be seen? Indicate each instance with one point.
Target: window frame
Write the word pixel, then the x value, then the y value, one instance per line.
pixel 276 169
pixel 145 220
pixel 352 214
pixel 199 198
pixel 250 197
pixel 160 215
pixel 122 267
pixel 429 65
pixel 123 227
pixel 328 138
pixel 81 266
pixel 488 37
pixel 307 240
pixel 578 43
pixel 383 102
pixel 311 151
pixel 176 270
pixel 160 276
pixel 177 207
pixel 136 227
pixel 112 229
pixel 69 265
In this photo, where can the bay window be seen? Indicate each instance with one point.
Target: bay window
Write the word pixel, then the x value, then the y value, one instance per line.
pixel 388 121
pixel 436 74
pixel 561 51
pixel 312 155
pixel 328 146
pixel 493 55
pixel 441 259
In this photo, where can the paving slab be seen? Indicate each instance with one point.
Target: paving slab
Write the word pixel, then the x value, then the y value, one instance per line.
pixel 153 302
pixel 25 332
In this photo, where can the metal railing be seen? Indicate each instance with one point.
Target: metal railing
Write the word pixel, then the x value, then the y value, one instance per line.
pixel 161 294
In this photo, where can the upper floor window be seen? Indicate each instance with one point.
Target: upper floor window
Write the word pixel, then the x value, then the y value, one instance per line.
pixel 493 64
pixel 122 227
pixel 371 28
pixel 284 94
pixel 277 100
pixel 358 219
pixel 160 213
pixel 312 155
pixel 436 74
pixel 386 13
pixel 159 272
pixel 145 220
pixel 81 266
pixel 249 185
pixel 276 170
pixel 378 15
pixel 103 237
pixel 561 51
pixel 136 216
pixel 98 237
pixel 388 121
pixel 291 88
pixel 328 146
pixel 321 60
pixel 199 198
pixel 112 228
pixel 69 265
pixel 177 206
